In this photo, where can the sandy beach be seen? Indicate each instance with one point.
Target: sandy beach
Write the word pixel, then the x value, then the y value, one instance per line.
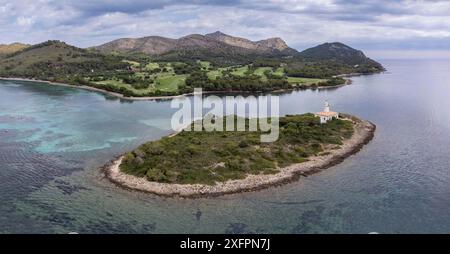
pixel 364 132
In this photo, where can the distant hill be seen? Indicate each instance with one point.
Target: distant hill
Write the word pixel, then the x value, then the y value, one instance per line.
pixel 336 51
pixel 267 45
pixel 55 59
pixel 223 49
pixel 6 49
pixel 217 42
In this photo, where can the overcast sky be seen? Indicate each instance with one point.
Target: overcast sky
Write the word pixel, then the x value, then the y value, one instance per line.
pixel 381 28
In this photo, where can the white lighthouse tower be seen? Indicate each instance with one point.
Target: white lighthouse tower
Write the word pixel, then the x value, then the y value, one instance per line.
pixel 327 107
pixel 327 115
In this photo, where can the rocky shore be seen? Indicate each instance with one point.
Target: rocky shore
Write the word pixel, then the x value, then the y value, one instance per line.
pixel 363 134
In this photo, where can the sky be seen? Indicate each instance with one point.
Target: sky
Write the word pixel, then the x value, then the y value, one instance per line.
pixel 381 28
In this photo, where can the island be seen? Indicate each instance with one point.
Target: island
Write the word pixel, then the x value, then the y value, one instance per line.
pixel 158 67
pixel 193 164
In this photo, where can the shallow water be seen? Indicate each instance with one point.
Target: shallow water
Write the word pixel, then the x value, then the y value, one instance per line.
pixel 53 139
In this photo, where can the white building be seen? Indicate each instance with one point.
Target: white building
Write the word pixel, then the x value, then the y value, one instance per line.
pixel 327 115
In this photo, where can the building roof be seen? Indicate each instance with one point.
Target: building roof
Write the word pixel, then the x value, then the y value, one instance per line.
pixel 331 113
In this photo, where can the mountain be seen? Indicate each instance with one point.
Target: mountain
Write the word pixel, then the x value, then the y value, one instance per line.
pixel 335 51
pixel 217 42
pixel 6 49
pixel 268 45
pixel 223 49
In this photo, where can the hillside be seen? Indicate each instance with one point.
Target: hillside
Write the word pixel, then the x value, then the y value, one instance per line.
pixel 339 52
pixel 6 49
pixel 156 45
pixel 263 46
pixel 56 60
pixel 226 50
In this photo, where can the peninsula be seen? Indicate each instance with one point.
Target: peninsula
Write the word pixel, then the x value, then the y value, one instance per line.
pixel 155 66
pixel 198 164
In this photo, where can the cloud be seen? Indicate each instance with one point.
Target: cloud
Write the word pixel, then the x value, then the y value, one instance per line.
pixel 132 6
pixel 369 25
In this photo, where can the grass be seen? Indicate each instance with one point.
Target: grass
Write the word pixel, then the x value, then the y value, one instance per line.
pixel 132 63
pixel 240 71
pixel 205 65
pixel 151 66
pixel 164 82
pixel 169 83
pixel 260 72
pixel 215 73
pixel 278 72
pixel 119 84
pixel 304 81
pixel 210 157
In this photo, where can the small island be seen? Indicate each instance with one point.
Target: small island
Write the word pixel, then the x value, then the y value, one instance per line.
pixel 198 164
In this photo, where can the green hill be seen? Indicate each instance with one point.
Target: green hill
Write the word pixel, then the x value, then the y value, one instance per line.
pixel 56 60
pixel 337 52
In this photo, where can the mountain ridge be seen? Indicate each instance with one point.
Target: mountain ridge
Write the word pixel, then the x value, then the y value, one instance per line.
pixel 158 45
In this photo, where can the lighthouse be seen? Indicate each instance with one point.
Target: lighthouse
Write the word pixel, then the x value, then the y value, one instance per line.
pixel 327 107
pixel 327 115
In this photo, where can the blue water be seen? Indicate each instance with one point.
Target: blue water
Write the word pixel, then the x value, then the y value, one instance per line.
pixel 53 139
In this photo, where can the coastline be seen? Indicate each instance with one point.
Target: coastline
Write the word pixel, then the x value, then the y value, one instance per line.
pixel 363 134
pixel 122 97
pixel 93 89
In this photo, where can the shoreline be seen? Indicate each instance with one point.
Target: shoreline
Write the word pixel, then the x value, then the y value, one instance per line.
pixel 363 134
pixel 122 97
pixel 93 89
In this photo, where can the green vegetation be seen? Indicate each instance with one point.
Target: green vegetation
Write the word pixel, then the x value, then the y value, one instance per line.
pixel 210 157
pixel 174 73
pixel 304 81
pixel 57 61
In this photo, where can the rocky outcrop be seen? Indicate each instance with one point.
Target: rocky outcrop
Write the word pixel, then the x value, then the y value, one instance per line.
pixel 262 45
pixel 218 41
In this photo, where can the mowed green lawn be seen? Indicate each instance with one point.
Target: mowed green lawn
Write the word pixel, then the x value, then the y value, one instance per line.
pixel 163 82
pixel 215 73
pixel 119 84
pixel 279 72
pixel 169 83
pixel 240 71
pixel 152 66
pixel 304 81
pixel 132 63
pixel 260 70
